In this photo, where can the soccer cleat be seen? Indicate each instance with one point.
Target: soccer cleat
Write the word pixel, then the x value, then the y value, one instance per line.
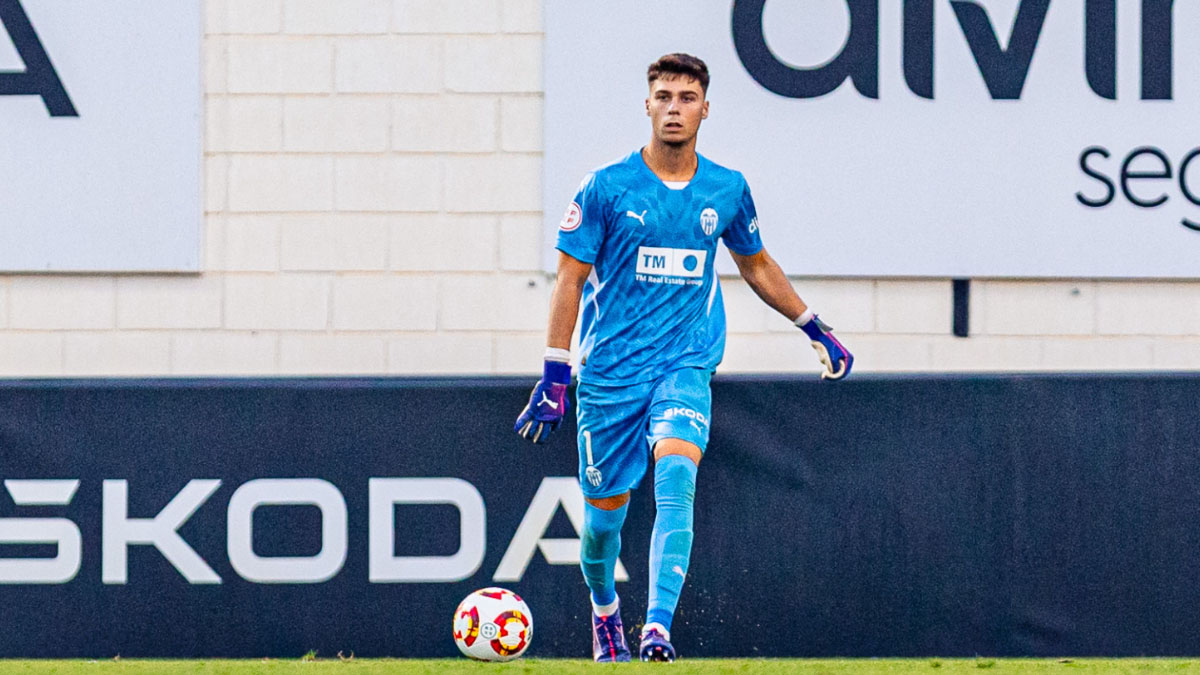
pixel 608 639
pixel 656 647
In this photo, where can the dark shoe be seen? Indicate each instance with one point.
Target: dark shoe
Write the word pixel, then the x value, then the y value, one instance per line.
pixel 608 639
pixel 655 647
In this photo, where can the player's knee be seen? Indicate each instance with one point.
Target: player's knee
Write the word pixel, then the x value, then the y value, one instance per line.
pixel 677 446
pixel 674 481
pixel 675 472
pixel 601 524
pixel 609 503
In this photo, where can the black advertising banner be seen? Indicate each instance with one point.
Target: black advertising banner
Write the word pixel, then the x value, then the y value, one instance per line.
pixel 881 516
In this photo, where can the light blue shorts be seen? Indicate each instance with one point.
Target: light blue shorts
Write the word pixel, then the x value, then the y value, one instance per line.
pixel 619 426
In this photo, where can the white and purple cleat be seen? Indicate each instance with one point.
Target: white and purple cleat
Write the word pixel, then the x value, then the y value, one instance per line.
pixel 608 639
pixel 656 645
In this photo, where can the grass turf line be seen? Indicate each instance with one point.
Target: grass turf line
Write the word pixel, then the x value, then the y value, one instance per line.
pixel 432 666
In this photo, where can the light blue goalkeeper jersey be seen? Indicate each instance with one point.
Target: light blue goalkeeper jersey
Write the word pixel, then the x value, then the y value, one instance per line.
pixel 653 302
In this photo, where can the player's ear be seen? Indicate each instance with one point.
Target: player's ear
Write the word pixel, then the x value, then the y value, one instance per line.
pixel 647 107
pixel 704 111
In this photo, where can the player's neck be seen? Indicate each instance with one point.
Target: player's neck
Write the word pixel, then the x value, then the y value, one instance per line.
pixel 671 162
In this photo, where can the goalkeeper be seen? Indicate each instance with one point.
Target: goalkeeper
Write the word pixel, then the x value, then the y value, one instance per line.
pixel 636 251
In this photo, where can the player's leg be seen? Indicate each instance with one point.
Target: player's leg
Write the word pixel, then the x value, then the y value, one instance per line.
pixel 679 433
pixel 612 460
pixel 599 548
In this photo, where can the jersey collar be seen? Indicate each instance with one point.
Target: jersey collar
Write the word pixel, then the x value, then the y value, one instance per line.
pixel 641 162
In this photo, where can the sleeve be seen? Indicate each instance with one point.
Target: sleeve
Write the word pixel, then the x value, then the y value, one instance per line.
pixel 581 231
pixel 741 236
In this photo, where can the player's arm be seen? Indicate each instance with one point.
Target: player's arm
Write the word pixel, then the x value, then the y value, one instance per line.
pixel 564 300
pixel 548 403
pixel 769 282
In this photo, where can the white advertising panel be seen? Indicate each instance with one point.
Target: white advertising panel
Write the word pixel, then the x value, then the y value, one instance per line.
pixel 925 138
pixel 100 136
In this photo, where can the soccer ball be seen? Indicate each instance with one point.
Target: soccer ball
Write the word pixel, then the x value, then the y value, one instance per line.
pixel 493 624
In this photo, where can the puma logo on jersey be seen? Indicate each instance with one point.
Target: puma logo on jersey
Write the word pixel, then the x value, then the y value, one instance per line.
pixel 641 218
pixel 546 400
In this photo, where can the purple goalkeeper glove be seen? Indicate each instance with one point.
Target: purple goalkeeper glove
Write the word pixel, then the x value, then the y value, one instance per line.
pixel 548 404
pixel 837 359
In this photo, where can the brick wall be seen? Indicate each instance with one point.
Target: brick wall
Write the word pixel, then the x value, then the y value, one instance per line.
pixel 373 196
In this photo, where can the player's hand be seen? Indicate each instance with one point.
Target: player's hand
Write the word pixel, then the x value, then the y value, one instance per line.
pixel 837 358
pixel 548 404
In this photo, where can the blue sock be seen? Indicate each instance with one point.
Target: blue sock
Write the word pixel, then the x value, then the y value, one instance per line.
pixel 671 543
pixel 599 547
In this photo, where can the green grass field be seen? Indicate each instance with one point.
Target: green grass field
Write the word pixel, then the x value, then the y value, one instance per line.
pixel 436 666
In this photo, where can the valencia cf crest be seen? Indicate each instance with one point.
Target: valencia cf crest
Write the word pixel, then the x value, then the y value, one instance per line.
pixel 708 221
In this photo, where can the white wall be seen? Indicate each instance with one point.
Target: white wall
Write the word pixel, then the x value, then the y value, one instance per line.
pixel 373 207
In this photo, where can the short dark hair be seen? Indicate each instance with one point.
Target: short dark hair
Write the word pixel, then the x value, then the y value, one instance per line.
pixel 679 64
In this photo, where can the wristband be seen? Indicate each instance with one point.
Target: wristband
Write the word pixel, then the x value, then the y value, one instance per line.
pixel 556 372
pixel 813 327
pixel 556 354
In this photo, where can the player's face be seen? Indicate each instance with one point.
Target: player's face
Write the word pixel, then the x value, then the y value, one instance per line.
pixel 675 107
